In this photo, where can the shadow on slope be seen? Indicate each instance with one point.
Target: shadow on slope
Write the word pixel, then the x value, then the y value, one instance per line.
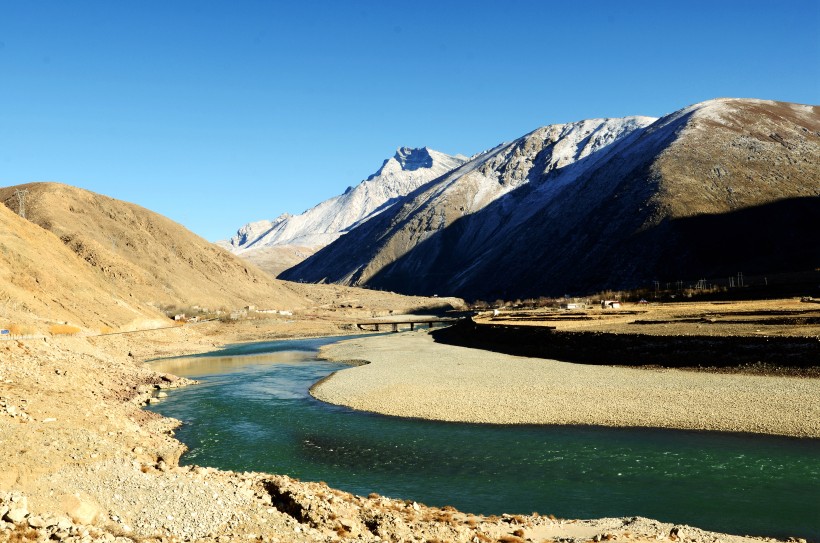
pixel 549 257
pixel 443 260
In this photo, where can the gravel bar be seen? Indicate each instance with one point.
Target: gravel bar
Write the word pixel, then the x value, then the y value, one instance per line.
pixel 409 375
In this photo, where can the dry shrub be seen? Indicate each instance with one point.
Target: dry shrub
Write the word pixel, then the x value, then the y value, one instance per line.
pixel 22 533
pixel 62 330
pixel 20 329
pixel 484 538
pixel 510 539
pixel 519 532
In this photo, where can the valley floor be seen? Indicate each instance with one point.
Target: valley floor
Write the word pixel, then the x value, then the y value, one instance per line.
pixel 80 460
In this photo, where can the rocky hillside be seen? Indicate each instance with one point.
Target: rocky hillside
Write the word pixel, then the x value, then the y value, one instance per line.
pixel 719 187
pixel 275 245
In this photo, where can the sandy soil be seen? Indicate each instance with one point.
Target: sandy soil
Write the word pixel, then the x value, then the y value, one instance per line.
pixel 80 460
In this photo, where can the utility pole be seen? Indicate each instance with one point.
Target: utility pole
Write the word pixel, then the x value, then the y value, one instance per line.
pixel 21 200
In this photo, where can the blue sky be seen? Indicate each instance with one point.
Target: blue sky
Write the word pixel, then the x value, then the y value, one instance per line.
pixel 220 113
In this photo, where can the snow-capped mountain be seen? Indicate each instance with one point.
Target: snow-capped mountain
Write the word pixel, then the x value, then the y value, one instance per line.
pixel 604 203
pixel 267 242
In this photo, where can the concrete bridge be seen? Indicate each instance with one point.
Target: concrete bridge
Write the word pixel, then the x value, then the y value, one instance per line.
pixel 376 326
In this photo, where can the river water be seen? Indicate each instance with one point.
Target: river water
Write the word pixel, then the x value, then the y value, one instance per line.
pixel 253 412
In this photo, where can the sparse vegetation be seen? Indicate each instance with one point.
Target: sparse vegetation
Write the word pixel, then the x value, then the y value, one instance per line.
pixel 63 330
pixel 739 287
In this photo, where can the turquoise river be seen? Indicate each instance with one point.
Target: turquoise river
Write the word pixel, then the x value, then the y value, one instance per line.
pixel 253 412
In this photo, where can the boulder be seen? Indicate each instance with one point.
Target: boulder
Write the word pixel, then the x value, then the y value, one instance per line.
pixel 36 521
pixel 81 508
pixel 16 515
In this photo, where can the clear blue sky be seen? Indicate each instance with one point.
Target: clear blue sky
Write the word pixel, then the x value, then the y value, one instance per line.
pixel 219 113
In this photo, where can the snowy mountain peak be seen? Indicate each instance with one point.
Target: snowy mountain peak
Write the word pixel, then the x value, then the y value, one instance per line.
pixel 399 175
pixel 407 159
pixel 413 159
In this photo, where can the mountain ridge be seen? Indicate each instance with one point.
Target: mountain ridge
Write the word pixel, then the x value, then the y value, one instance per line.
pixel 313 229
pixel 573 223
pixel 324 222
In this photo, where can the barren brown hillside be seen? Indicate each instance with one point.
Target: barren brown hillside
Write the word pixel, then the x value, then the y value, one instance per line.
pixel 150 256
pixel 97 263
pixel 42 282
pixel 737 154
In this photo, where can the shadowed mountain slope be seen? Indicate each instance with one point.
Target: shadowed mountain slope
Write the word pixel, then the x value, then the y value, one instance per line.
pixel 602 204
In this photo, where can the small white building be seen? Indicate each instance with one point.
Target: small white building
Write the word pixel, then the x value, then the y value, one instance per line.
pixel 573 305
pixel 610 304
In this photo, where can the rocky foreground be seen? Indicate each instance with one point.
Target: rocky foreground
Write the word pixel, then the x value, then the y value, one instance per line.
pixel 81 461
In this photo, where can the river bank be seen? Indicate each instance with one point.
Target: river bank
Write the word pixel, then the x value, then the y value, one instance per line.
pixel 410 375
pixel 81 461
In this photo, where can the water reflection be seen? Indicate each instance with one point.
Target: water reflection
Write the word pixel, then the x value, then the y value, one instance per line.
pixel 204 366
